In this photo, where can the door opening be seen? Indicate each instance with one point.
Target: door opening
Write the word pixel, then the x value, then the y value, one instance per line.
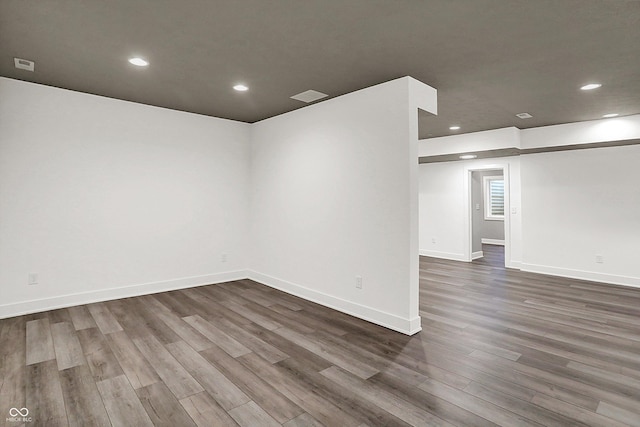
pixel 488 215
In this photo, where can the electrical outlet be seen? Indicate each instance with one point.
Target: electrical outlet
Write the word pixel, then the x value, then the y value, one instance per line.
pixel 599 259
pixel 33 279
pixel 433 240
pixel 358 282
pixel 477 206
pixel 223 258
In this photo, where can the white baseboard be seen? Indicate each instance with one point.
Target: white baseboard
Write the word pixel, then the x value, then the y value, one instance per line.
pixel 388 320
pixel 514 264
pixel 52 303
pixel 476 255
pixel 492 242
pixel 613 279
pixel 443 255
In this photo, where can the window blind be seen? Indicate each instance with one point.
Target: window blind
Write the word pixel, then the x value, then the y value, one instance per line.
pixel 496 194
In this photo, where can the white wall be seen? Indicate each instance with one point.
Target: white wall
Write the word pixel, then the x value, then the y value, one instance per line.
pixel 333 198
pixel 470 142
pixel 103 198
pixel 580 204
pixel 442 219
pixel 619 128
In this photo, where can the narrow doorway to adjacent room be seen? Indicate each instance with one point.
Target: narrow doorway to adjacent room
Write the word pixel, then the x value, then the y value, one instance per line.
pixel 488 206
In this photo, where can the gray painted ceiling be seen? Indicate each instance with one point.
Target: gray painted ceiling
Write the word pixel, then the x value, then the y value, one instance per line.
pixel 489 59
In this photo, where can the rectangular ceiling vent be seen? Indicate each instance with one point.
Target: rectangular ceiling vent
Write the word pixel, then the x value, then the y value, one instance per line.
pixel 24 64
pixel 524 115
pixel 309 96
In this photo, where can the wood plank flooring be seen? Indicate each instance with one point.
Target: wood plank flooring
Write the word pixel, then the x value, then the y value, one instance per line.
pixel 498 347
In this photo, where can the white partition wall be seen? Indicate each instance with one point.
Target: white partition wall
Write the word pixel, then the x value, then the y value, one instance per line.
pixel 334 199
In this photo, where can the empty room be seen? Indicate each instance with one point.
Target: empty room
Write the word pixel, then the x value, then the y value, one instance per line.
pixel 320 213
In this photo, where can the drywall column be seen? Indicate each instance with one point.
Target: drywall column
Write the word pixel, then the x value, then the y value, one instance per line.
pixel 335 198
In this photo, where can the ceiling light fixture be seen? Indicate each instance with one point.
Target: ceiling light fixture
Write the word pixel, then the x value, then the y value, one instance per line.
pixel 241 88
pixel 607 116
pixel 139 62
pixel 454 128
pixel 468 156
pixel 524 115
pixel 591 86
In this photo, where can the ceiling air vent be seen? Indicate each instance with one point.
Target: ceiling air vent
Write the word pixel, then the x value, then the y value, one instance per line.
pixel 524 115
pixel 309 96
pixel 24 64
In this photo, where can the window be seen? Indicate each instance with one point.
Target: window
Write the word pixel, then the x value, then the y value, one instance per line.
pixel 493 198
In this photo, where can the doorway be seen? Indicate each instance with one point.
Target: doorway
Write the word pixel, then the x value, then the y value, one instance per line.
pixel 488 214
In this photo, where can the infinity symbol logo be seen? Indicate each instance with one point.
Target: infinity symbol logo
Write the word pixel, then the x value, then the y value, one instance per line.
pixel 14 412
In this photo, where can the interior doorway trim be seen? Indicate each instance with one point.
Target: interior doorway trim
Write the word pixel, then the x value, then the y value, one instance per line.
pixel 468 207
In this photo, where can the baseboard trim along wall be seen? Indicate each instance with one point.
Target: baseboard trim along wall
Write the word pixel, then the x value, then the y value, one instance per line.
pixel 516 265
pixel 633 282
pixel 476 255
pixel 443 255
pixel 492 242
pixel 388 320
pixel 52 303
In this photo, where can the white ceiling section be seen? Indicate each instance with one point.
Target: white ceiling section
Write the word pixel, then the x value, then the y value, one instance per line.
pixel 489 59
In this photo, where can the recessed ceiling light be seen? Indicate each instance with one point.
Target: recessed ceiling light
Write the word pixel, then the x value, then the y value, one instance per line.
pixel 468 156
pixel 591 86
pixel 524 115
pixel 606 116
pixel 137 61
pixel 454 128
pixel 241 88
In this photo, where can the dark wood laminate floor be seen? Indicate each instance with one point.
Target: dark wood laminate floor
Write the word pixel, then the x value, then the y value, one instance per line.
pixel 498 347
